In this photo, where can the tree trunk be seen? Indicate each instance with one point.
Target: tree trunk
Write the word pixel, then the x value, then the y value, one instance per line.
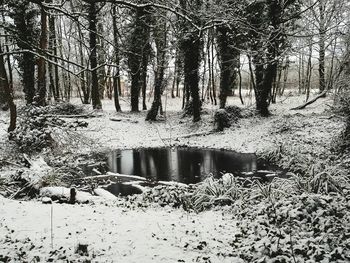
pixel 212 70
pixel 3 84
pixel 191 68
pixel 41 92
pixel 210 82
pixel 101 61
pixel 85 87
pixel 266 62
pixel 24 25
pixel 138 55
pixel 116 77
pixel 7 92
pixel 322 50
pixel 228 63
pixel 53 69
pixel 7 49
pixel 96 102
pixel 160 38
pixel 144 79
pixel 307 82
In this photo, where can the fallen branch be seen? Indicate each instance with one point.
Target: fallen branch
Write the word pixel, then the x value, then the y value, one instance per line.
pixel 83 116
pixel 321 95
pixel 115 177
pixel 122 119
pixel 171 183
pixel 63 193
pixel 132 179
pixel 190 135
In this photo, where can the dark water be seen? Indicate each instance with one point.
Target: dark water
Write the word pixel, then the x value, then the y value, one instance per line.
pixel 122 189
pixel 181 164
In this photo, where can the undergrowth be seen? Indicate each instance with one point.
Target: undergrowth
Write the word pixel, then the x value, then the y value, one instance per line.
pixel 36 125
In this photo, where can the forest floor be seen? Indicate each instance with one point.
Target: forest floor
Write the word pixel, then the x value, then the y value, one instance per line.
pixel 305 226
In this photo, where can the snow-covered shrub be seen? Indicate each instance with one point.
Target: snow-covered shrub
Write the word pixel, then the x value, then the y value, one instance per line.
pixel 234 111
pixel 330 180
pixel 224 118
pixel 36 124
pixel 301 228
pixel 65 108
pixel 165 195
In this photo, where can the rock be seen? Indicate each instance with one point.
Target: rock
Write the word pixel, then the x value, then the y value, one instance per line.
pixel 46 200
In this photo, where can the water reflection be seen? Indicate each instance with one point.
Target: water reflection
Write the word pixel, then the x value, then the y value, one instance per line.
pixel 182 164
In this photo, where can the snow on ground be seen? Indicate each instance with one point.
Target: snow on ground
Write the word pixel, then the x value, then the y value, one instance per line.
pixel 117 234
pixel 250 135
pixel 113 234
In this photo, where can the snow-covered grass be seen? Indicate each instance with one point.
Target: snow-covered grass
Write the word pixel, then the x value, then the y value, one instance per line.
pixel 305 219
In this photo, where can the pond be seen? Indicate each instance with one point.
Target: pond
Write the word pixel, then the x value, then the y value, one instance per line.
pixel 182 164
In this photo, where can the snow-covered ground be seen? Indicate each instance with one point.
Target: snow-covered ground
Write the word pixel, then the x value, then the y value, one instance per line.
pixel 31 231
pixel 250 135
pixel 113 234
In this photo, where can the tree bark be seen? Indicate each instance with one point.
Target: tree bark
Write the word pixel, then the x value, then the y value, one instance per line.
pixel 229 63
pixel 4 84
pixel 160 38
pixel 41 92
pixel 101 60
pixel 116 77
pixel 191 67
pixel 24 25
pixel 191 50
pixel 322 50
pixel 138 55
pixel 96 102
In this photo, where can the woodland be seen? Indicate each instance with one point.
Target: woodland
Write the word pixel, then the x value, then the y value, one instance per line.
pixel 81 81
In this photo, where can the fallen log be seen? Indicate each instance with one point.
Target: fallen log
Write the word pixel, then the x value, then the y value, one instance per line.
pixel 303 106
pixel 65 193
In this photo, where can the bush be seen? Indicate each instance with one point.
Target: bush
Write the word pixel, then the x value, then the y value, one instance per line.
pixel 35 126
pixel 223 118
